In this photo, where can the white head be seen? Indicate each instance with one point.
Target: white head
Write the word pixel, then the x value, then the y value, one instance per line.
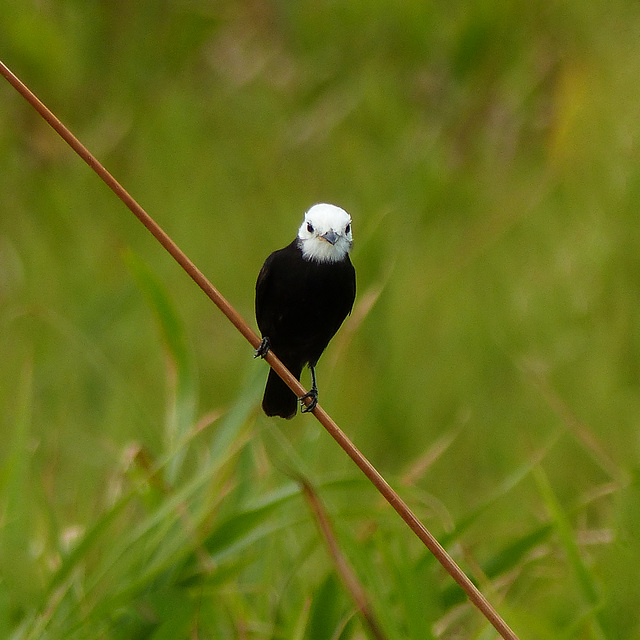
pixel 325 234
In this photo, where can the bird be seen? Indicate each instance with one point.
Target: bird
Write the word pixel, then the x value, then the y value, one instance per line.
pixel 304 292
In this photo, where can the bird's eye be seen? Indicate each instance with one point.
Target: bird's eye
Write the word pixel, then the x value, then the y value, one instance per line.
pixel 347 229
pixel 309 227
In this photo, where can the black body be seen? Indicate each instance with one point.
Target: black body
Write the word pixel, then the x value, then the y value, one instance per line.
pixel 300 304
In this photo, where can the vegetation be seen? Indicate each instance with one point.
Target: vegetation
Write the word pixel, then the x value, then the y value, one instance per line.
pixel 488 154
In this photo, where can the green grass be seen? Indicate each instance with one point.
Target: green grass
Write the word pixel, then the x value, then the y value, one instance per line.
pixel 491 370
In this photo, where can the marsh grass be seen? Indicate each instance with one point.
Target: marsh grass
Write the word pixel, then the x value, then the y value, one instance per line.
pixel 488 156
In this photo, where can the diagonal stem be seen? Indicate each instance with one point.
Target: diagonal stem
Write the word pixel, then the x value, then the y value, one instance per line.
pixel 238 321
pixel 343 568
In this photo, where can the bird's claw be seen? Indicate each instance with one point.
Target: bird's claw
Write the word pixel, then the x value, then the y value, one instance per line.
pixel 313 394
pixel 263 349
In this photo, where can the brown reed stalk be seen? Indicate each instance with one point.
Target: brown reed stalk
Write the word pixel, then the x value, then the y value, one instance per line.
pixel 476 597
pixel 343 568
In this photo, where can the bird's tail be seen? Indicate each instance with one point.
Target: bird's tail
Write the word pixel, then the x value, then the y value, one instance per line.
pixel 278 399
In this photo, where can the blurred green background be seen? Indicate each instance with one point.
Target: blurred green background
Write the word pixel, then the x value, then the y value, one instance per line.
pixel 488 153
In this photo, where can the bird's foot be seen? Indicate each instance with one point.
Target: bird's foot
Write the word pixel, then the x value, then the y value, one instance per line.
pixel 263 349
pixel 313 394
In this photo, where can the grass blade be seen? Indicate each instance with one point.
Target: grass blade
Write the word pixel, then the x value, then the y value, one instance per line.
pixel 182 380
pixel 564 530
pixel 19 571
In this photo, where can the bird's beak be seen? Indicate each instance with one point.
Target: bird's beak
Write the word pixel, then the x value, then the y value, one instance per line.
pixel 331 237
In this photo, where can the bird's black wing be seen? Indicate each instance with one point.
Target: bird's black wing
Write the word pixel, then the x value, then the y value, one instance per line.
pixel 263 300
pixel 272 299
pixel 276 293
pixel 351 289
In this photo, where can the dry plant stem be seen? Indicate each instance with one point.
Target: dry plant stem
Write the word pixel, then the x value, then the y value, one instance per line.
pixel 327 422
pixel 344 569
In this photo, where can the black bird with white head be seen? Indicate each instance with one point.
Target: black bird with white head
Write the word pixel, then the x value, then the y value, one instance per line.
pixel 303 294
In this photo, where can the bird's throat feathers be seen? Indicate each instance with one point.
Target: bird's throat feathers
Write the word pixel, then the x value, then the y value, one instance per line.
pixel 319 250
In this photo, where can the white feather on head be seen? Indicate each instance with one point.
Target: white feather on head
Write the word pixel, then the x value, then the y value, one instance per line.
pixel 325 235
